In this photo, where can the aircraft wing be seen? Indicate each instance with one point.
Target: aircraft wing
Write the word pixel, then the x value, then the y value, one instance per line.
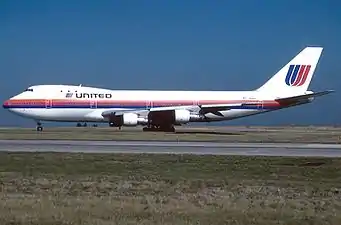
pixel 202 109
pixel 215 108
pixel 115 112
pixel 305 97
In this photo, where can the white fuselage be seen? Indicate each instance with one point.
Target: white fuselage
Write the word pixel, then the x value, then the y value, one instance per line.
pixel 160 109
pixel 86 104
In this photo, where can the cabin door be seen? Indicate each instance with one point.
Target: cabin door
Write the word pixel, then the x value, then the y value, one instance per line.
pixel 260 104
pixel 48 103
pixel 149 105
pixel 93 104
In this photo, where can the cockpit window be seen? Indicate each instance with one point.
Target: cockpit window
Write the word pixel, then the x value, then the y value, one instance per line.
pixel 29 89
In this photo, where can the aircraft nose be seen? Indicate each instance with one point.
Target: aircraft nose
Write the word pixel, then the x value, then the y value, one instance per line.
pixel 5 104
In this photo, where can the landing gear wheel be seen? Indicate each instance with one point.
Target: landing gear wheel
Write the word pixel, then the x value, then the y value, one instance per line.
pixel 168 129
pixel 160 129
pixel 147 129
pixel 39 126
pixel 151 128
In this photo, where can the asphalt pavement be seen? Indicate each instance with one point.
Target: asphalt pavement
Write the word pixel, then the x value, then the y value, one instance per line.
pixel 153 147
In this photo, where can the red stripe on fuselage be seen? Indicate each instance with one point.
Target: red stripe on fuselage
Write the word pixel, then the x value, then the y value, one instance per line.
pixel 66 102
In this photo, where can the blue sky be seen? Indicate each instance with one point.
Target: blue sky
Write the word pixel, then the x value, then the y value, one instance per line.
pixel 181 45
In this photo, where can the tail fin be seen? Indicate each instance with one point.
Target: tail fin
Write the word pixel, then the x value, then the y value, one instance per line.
pixel 295 77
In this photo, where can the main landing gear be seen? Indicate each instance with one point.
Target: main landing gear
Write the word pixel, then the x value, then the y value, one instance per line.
pixel 80 125
pixel 111 124
pixel 39 126
pixel 160 128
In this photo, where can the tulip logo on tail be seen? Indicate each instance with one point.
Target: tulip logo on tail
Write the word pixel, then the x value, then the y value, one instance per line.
pixel 297 75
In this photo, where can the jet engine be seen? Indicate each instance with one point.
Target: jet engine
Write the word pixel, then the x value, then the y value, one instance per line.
pixel 181 116
pixel 178 116
pixel 126 119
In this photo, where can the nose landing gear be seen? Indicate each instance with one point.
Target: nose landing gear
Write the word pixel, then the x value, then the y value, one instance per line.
pixel 39 126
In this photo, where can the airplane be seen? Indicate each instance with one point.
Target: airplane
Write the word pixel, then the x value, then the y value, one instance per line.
pixel 161 110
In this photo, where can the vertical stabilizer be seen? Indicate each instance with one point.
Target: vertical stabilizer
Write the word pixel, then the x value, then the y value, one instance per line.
pixel 295 77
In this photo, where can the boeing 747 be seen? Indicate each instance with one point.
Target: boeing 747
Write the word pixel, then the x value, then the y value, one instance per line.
pixel 162 110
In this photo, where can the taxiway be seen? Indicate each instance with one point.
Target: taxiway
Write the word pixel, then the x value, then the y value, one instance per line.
pixel 198 148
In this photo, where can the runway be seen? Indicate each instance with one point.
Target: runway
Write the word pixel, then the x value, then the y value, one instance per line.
pixel 199 148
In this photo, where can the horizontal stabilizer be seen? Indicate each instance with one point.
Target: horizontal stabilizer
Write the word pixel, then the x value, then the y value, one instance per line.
pixel 305 97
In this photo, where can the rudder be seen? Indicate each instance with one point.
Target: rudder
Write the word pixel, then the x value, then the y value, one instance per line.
pixel 295 77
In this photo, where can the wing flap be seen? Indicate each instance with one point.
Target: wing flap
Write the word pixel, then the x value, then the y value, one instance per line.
pixel 214 108
pixel 109 113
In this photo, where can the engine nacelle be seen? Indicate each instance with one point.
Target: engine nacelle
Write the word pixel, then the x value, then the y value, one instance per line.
pixel 126 119
pixel 178 116
pixel 181 116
